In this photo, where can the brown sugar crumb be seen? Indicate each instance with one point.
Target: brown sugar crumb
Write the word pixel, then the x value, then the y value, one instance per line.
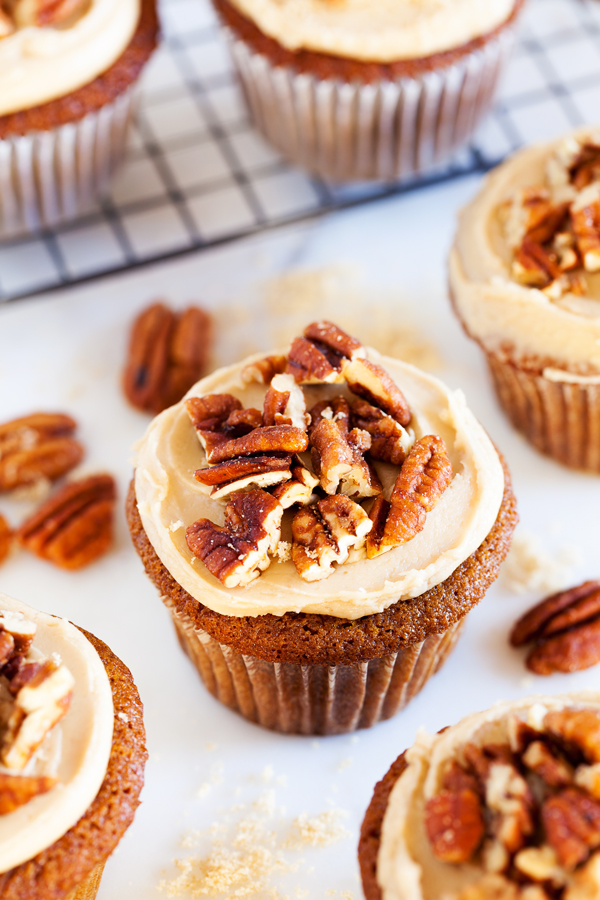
pixel 323 830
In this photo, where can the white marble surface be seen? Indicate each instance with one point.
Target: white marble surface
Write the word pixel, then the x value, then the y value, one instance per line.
pixel 65 352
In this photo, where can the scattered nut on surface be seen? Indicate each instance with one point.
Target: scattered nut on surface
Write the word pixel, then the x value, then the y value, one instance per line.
pixel 37 447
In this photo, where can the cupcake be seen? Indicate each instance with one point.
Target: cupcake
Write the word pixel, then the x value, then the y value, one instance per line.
pixel 356 90
pixel 524 281
pixel 68 71
pixel 72 756
pixel 319 523
pixel 505 805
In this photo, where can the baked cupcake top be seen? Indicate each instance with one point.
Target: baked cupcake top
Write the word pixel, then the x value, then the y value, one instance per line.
pixel 525 267
pixel 49 49
pixel 56 726
pixel 505 804
pixel 385 31
pixel 358 448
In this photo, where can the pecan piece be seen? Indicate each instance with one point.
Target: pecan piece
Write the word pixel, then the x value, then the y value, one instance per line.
pixel 585 216
pixel 333 337
pixel 6 538
pixel 586 167
pixel 284 403
pixel 454 824
pixel 237 552
pixel 390 442
pixel 534 266
pixel 571 821
pixel 7 25
pixel 578 727
pixel 423 478
pixel 17 790
pixel 75 526
pixel 270 439
pixel 299 490
pixel 324 534
pixel 310 363
pixel 541 759
pixel 336 452
pixel 168 353
pixel 238 474
pixel 36 447
pixel 264 370
pixel 566 629
pixel 219 418
pixel 19 628
pixel 370 381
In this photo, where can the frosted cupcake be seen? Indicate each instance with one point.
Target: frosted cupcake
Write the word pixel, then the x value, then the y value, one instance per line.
pixel 525 284
pixel 72 756
pixel 68 71
pixel 355 90
pixel 318 524
pixel 505 805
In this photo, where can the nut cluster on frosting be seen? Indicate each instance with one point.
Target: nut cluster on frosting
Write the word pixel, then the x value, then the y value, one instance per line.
pixel 16 14
pixel 527 811
pixel 554 229
pixel 321 460
pixel 35 694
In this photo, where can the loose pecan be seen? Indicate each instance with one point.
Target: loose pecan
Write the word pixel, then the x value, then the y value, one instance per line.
pixel 239 474
pixel 284 403
pixel 390 442
pixel 35 447
pixel 370 381
pixel 237 552
pixel 423 478
pixel 585 216
pixel 566 629
pixel 264 370
pixel 17 790
pixel 571 821
pixel 454 824
pixel 6 538
pixel 168 353
pixel 324 534
pixel 75 526
pixel 336 452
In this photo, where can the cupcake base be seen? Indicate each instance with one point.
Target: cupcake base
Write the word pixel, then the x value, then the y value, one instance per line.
pixel 561 420
pixel 345 120
pixel 88 889
pixel 313 699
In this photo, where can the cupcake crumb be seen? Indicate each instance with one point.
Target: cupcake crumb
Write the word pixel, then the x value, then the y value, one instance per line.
pixel 529 567
pixel 283 551
pixel 345 764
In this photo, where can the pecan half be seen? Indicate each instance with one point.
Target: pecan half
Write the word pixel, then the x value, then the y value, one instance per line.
pixel 219 418
pixel 324 534
pixel 566 631
pixel 6 538
pixel 318 356
pixel 454 824
pixel 370 381
pixel 333 337
pixel 168 353
pixel 17 790
pixel 270 439
pixel 264 370
pixel 36 447
pixel 239 474
pixel 337 454
pixel 423 478
pixel 571 821
pixel 75 526
pixel 237 552
pixel 534 266
pixel 390 442
pixel 19 628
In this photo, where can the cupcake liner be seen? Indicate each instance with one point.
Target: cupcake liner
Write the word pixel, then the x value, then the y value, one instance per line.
pixel 88 888
pixel 561 420
pixel 48 177
pixel 389 130
pixel 312 699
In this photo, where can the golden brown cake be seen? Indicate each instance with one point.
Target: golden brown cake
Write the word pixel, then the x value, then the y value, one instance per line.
pixel 504 805
pixel 524 282
pixel 342 619
pixel 347 90
pixel 92 790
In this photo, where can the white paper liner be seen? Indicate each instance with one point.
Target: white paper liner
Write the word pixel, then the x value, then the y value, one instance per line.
pixel 560 419
pixel 48 177
pixel 391 130
pixel 313 699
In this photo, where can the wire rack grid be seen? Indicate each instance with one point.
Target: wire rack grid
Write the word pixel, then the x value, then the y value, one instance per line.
pixel 197 173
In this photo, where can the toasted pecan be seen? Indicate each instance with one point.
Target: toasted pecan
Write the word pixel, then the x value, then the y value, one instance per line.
pixel 370 381
pixel 6 538
pixel 17 790
pixel 36 447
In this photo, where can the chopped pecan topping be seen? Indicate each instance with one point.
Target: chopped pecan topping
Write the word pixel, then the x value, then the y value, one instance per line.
pixel 17 790
pixel 336 452
pixel 423 478
pixel 565 628
pixel 580 727
pixel 36 447
pixel 454 824
pixel 586 167
pixel 571 821
pixel 585 215
pixel 42 694
pixel 238 474
pixel 168 353
pixel 219 418
pixel 318 356
pixel 270 439
pixel 237 552
pixel 534 266
pixel 390 442
pixel 6 538
pixel 75 526
pixel 264 370
pixel 324 534
pixel 300 490
pixel 333 337
pixel 19 628
pixel 370 381
pixel 284 403
pixel 545 762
